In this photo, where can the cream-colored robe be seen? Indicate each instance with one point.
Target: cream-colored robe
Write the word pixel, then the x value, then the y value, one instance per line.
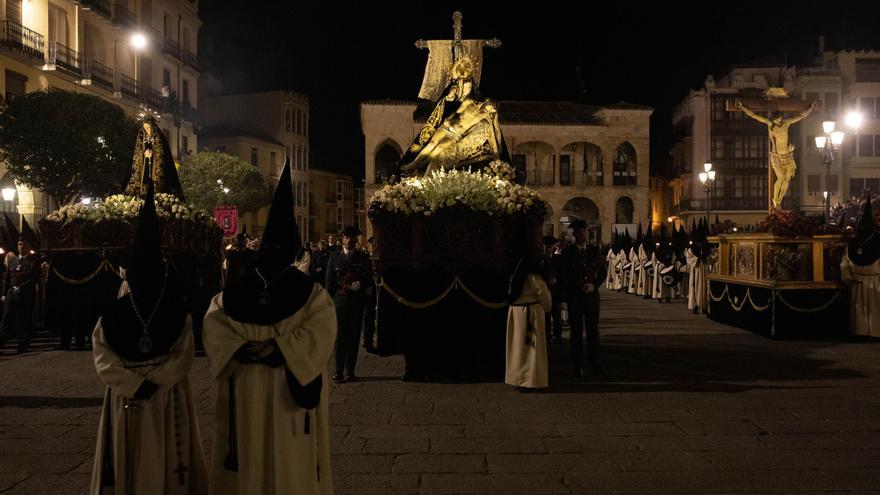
pixel 864 297
pixel 692 262
pixel 661 290
pixel 148 431
pixel 609 276
pixel 275 455
pixel 527 364
pixel 642 283
pixel 631 278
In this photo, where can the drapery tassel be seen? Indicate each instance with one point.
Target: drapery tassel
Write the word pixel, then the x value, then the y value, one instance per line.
pixel 306 428
pixel 231 461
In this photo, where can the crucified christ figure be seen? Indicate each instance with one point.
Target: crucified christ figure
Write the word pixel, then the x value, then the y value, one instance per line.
pixel 781 151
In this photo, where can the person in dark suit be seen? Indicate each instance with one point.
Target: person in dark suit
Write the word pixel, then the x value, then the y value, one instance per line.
pixel 318 266
pixel 582 270
pixel 550 274
pixel 21 296
pixel 348 276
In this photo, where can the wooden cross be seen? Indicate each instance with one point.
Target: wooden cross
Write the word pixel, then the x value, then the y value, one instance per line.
pixel 775 101
pixel 181 473
pixel 456 40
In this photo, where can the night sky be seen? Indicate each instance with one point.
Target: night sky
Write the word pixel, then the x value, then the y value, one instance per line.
pixel 653 56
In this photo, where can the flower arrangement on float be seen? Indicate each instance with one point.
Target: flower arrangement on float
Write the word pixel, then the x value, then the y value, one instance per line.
pixel 121 207
pixel 489 191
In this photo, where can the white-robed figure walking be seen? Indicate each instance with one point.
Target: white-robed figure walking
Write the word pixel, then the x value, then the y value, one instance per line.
pixel 269 336
pixel 610 258
pixel 861 268
pixel 148 436
pixel 526 333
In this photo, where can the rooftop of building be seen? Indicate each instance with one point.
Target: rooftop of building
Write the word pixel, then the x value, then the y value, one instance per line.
pixel 528 112
pixel 222 131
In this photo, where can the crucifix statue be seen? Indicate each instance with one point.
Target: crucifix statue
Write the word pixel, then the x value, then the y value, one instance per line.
pixel 782 160
pixel 462 130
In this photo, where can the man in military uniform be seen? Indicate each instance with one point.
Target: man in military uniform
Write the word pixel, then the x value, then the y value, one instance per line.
pixel 582 270
pixel 18 311
pixel 348 275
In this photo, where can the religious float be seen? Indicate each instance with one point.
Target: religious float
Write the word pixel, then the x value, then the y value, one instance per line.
pixel 448 235
pixel 780 283
pixel 86 244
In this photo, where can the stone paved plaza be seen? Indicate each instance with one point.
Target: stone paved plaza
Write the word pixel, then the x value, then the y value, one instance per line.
pixel 687 406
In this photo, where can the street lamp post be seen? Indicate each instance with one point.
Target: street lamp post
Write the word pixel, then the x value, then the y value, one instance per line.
pixel 138 42
pixel 707 178
pixel 828 144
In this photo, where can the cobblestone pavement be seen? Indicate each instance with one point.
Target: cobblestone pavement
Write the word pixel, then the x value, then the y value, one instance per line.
pixel 687 405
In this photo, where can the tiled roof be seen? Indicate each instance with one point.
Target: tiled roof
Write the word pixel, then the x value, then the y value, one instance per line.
pixel 389 101
pixel 622 105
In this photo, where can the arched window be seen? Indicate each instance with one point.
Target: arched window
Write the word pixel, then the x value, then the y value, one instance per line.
pixel 536 160
pixel 386 163
pixel 584 209
pixel 625 166
pixel 623 210
pixel 580 164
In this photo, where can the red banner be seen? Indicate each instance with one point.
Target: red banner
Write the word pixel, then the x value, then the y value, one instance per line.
pixel 227 219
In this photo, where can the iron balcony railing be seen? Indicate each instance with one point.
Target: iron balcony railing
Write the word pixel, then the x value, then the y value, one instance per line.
pixel 128 85
pixel 723 204
pixel 123 17
pixel 539 177
pixel 153 99
pixel 187 112
pixel 65 58
pixel 624 178
pixel 581 178
pixel 20 39
pixel 189 58
pixel 98 73
pixel 100 7
pixel 171 47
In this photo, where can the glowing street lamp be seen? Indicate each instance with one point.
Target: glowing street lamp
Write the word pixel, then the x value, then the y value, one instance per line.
pixel 828 145
pixel 707 178
pixel 8 193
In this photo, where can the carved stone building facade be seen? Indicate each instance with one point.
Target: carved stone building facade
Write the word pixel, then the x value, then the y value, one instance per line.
pixel 589 162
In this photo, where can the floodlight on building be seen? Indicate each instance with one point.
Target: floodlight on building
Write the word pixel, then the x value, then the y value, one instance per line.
pixel 853 119
pixel 138 41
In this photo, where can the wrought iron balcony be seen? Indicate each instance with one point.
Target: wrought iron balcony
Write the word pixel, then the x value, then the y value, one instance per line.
pixel 65 58
pixel 536 177
pixel 724 204
pixel 187 112
pixel 128 86
pixel 122 17
pixel 95 72
pixel 153 99
pixel 20 39
pixel 581 178
pixel 189 58
pixel 171 47
pixel 100 7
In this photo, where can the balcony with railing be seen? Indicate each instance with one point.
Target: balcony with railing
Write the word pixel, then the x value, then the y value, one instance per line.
pixel 128 85
pixel 171 47
pixel 100 7
pixel 95 72
pixel 153 99
pixel 187 112
pixel 724 204
pixel 21 40
pixel 536 177
pixel 581 178
pixel 189 58
pixel 65 58
pixel 122 17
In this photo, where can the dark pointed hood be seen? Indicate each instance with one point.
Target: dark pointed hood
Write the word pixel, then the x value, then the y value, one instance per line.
pixel 247 298
pixel 864 248
pixel 640 237
pixel 649 240
pixel 280 242
pixel 155 288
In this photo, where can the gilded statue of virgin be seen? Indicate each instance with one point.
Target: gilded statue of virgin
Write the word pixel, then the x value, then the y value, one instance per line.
pixel 462 131
pixel 152 161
